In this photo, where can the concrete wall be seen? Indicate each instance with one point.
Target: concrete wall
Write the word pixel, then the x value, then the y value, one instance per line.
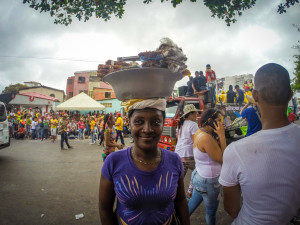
pixel 115 105
pixel 79 87
pixel 46 91
pixel 70 87
pixel 99 93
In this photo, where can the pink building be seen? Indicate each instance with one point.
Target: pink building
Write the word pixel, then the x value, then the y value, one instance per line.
pixel 78 83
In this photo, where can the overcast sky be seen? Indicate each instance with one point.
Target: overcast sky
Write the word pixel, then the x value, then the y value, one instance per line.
pixel 260 36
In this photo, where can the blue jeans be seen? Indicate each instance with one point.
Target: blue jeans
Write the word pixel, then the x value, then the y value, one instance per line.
pixel 93 135
pixel 119 134
pixel 80 133
pixel 33 133
pixel 212 90
pixel 39 132
pixel 207 190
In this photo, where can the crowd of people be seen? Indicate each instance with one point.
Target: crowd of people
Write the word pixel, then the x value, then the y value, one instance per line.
pixel 35 125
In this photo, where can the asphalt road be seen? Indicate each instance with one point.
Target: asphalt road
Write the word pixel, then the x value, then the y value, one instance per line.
pixel 40 184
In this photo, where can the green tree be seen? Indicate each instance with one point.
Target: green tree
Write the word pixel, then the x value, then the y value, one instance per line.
pixel 64 10
pixel 295 83
pixel 13 88
pixel 296 80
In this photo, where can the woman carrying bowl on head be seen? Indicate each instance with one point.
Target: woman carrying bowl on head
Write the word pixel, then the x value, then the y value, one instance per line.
pixel 146 180
pixel 209 145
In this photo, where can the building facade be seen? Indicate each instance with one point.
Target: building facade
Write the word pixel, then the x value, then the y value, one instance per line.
pixel 82 81
pixel 44 90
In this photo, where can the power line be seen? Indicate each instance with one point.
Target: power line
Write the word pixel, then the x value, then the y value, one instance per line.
pixel 49 58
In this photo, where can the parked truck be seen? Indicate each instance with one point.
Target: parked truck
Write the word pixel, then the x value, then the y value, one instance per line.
pixel 174 110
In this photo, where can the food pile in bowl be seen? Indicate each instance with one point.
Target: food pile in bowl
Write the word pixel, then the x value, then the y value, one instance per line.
pixel 168 55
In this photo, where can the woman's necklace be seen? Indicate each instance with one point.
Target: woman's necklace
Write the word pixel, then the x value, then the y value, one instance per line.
pixel 145 163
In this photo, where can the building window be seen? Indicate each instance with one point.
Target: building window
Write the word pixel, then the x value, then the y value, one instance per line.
pixel 70 81
pixel 107 105
pixel 107 94
pixel 52 95
pixel 81 79
pixel 70 94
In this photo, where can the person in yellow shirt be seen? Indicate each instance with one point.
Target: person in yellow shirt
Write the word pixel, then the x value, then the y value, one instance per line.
pixel 54 123
pixel 119 126
pixel 222 97
pixel 249 93
pixel 92 126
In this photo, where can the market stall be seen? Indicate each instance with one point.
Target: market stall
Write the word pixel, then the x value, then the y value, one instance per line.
pixel 80 102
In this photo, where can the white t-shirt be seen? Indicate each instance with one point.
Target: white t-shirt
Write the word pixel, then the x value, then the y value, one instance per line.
pixel 267 167
pixel 33 125
pixel 184 146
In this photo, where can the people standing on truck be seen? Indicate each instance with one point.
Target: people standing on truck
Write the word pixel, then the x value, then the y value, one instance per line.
pixel 240 95
pixel 250 85
pixel 186 129
pixel 119 128
pixel 209 145
pixel 190 90
pixel 199 84
pixel 252 116
pixel 264 168
pixel 231 95
pixel 211 82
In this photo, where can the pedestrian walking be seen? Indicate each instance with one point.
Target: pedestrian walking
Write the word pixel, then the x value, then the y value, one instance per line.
pixel 186 129
pixel 63 132
pixel 119 127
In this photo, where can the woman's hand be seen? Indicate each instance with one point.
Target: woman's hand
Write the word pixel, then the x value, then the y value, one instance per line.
pixel 220 129
pixel 119 146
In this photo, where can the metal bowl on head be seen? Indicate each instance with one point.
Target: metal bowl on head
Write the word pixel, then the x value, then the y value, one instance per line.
pixel 142 83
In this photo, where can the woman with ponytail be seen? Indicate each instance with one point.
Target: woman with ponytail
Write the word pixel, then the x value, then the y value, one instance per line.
pixel 109 135
pixel 209 145
pixel 186 129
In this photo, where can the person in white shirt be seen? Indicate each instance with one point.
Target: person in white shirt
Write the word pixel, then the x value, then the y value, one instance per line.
pixel 186 129
pixel 264 167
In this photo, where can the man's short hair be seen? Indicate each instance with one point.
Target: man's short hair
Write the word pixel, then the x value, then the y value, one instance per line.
pixel 196 72
pixel 236 86
pixel 272 81
pixel 230 87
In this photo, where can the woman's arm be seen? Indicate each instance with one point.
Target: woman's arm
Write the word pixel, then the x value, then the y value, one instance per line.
pixel 106 202
pixel 181 205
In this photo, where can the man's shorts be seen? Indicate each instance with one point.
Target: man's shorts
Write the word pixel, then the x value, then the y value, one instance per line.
pixel 53 131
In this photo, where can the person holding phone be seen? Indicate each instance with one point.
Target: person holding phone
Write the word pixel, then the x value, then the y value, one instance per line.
pixel 209 144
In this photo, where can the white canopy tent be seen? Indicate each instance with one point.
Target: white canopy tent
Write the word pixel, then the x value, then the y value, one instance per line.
pixel 80 102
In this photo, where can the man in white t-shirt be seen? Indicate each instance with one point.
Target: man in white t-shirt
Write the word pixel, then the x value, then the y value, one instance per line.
pixel 265 167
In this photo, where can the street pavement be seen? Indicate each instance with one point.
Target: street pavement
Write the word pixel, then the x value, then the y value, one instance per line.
pixel 41 184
